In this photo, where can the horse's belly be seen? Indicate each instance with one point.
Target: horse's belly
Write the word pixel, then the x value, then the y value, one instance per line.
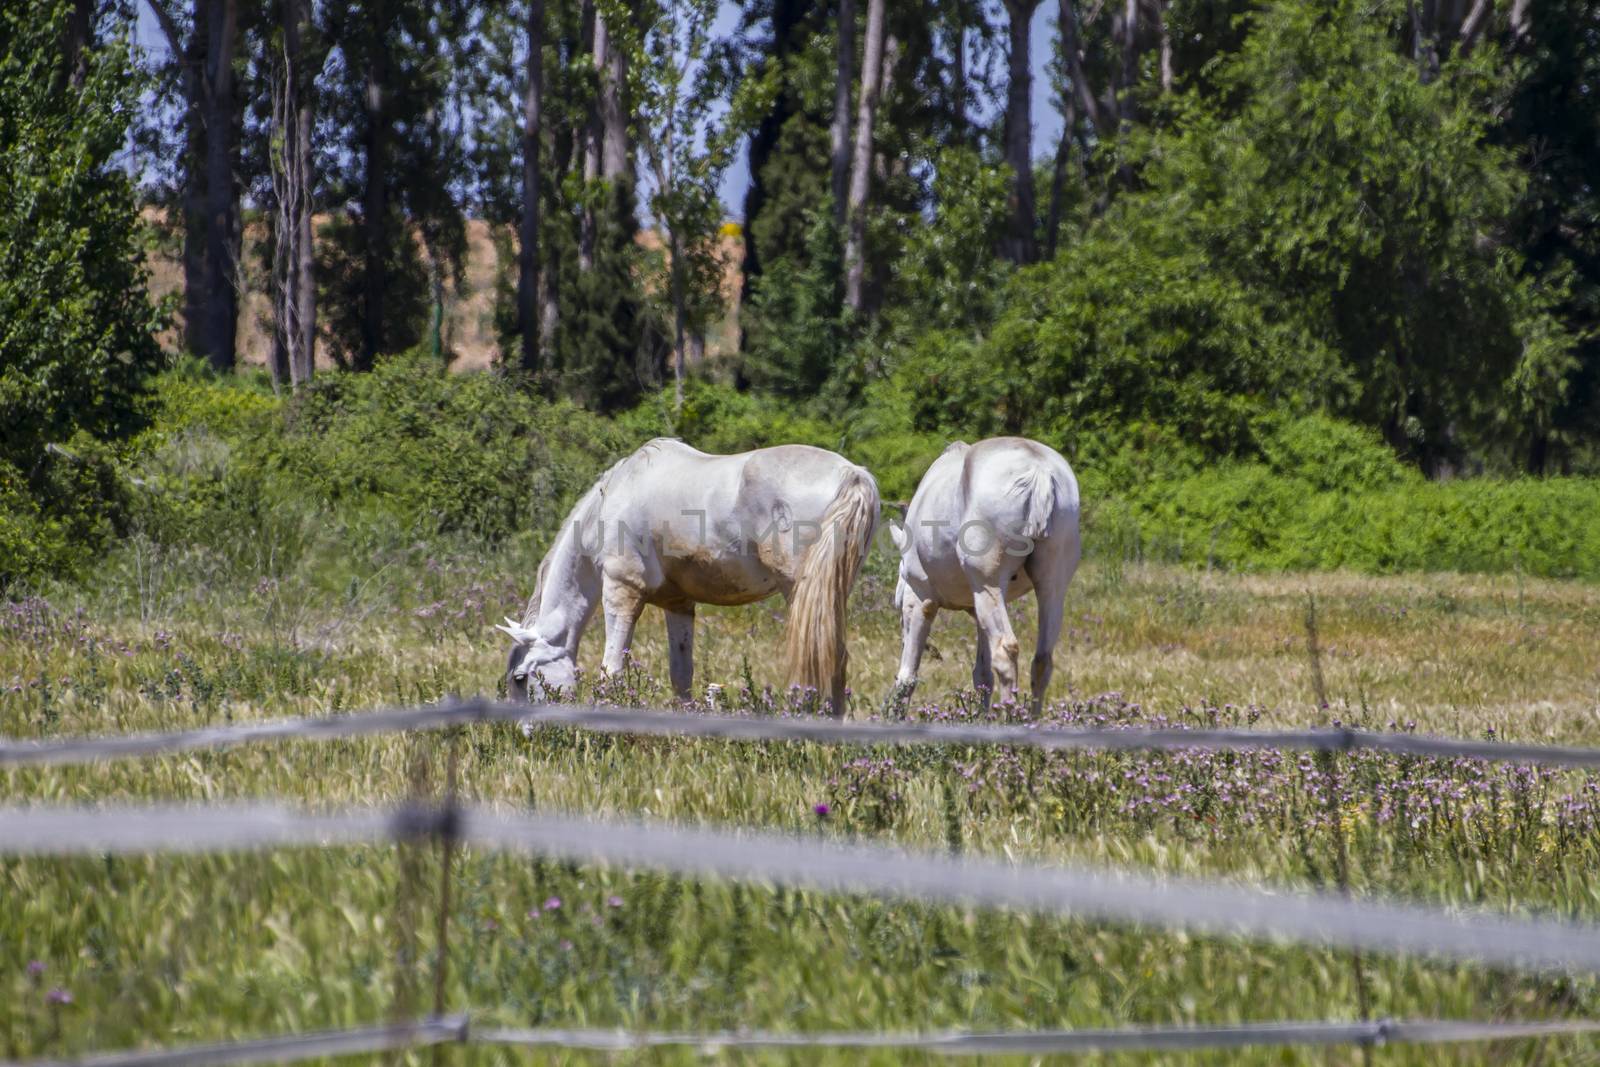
pixel 953 589
pixel 721 582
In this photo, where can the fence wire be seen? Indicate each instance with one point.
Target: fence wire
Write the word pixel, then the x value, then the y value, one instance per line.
pixel 289 1048
pixel 295 1048
pixel 19 752
pixel 1206 906
pixel 1203 905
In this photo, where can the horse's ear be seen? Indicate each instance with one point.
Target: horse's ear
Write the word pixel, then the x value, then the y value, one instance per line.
pixel 516 630
pixel 897 534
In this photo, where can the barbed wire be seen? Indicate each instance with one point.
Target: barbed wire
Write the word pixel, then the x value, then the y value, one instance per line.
pixel 16 752
pixel 1204 905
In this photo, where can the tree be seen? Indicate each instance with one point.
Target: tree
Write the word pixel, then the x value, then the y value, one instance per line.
pixel 1289 245
pixel 839 144
pixel 532 193
pixel 1019 245
pixel 689 148
pixel 398 66
pixel 205 52
pixel 76 324
pixel 855 264
pixel 293 74
pixel 1552 123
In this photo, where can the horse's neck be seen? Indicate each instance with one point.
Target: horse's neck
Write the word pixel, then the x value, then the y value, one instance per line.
pixel 570 591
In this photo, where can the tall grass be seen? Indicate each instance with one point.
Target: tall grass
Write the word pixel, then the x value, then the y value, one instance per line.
pixel 167 949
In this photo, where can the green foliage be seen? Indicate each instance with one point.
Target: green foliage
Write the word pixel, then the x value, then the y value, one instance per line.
pixel 794 328
pixel 1331 495
pixel 1366 199
pixel 1122 328
pixel 381 460
pixel 610 347
pixel 341 280
pixel 949 276
pixel 76 323
pixel 1317 234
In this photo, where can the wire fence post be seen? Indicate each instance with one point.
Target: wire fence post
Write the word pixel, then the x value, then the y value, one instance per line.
pixel 447 832
pixel 1329 758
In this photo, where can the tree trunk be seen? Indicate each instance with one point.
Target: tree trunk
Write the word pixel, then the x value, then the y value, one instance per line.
pixel 528 251
pixel 1058 176
pixel 1128 72
pixel 294 259
pixel 861 162
pixel 303 361
pixel 78 38
pixel 564 141
pixel 594 32
pixel 677 321
pixel 1167 76
pixel 1072 48
pixel 190 54
pixel 210 196
pixel 222 197
pixel 1020 245
pixel 375 195
pixel 958 76
pixel 839 133
pixel 616 149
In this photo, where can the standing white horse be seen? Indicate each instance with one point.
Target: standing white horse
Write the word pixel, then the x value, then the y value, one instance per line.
pixel 988 522
pixel 675 527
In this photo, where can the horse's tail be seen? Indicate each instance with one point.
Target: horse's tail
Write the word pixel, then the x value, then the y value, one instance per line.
pixel 1040 513
pixel 827 570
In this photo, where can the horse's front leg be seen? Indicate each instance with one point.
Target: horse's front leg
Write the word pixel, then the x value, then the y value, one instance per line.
pixel 680 650
pixel 623 603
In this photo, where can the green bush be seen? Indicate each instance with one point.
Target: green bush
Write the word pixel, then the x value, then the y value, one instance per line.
pixel 359 464
pixel 1245 516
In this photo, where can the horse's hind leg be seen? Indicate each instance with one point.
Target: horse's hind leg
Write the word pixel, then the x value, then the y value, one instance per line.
pixel 1051 568
pixel 623 603
pixel 994 630
pixel 1050 590
pixel 916 619
pixel 680 650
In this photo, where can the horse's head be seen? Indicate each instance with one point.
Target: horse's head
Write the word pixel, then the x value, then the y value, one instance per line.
pixel 535 659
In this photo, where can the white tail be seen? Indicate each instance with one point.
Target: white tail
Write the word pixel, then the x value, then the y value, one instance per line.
pixel 1040 489
pixel 816 645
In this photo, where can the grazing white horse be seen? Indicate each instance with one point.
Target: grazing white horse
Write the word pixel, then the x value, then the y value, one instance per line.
pixel 675 527
pixel 988 522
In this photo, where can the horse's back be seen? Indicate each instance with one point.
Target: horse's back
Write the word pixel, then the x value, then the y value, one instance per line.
pixel 721 528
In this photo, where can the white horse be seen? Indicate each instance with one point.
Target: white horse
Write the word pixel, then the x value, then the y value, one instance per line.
pixel 675 527
pixel 988 522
